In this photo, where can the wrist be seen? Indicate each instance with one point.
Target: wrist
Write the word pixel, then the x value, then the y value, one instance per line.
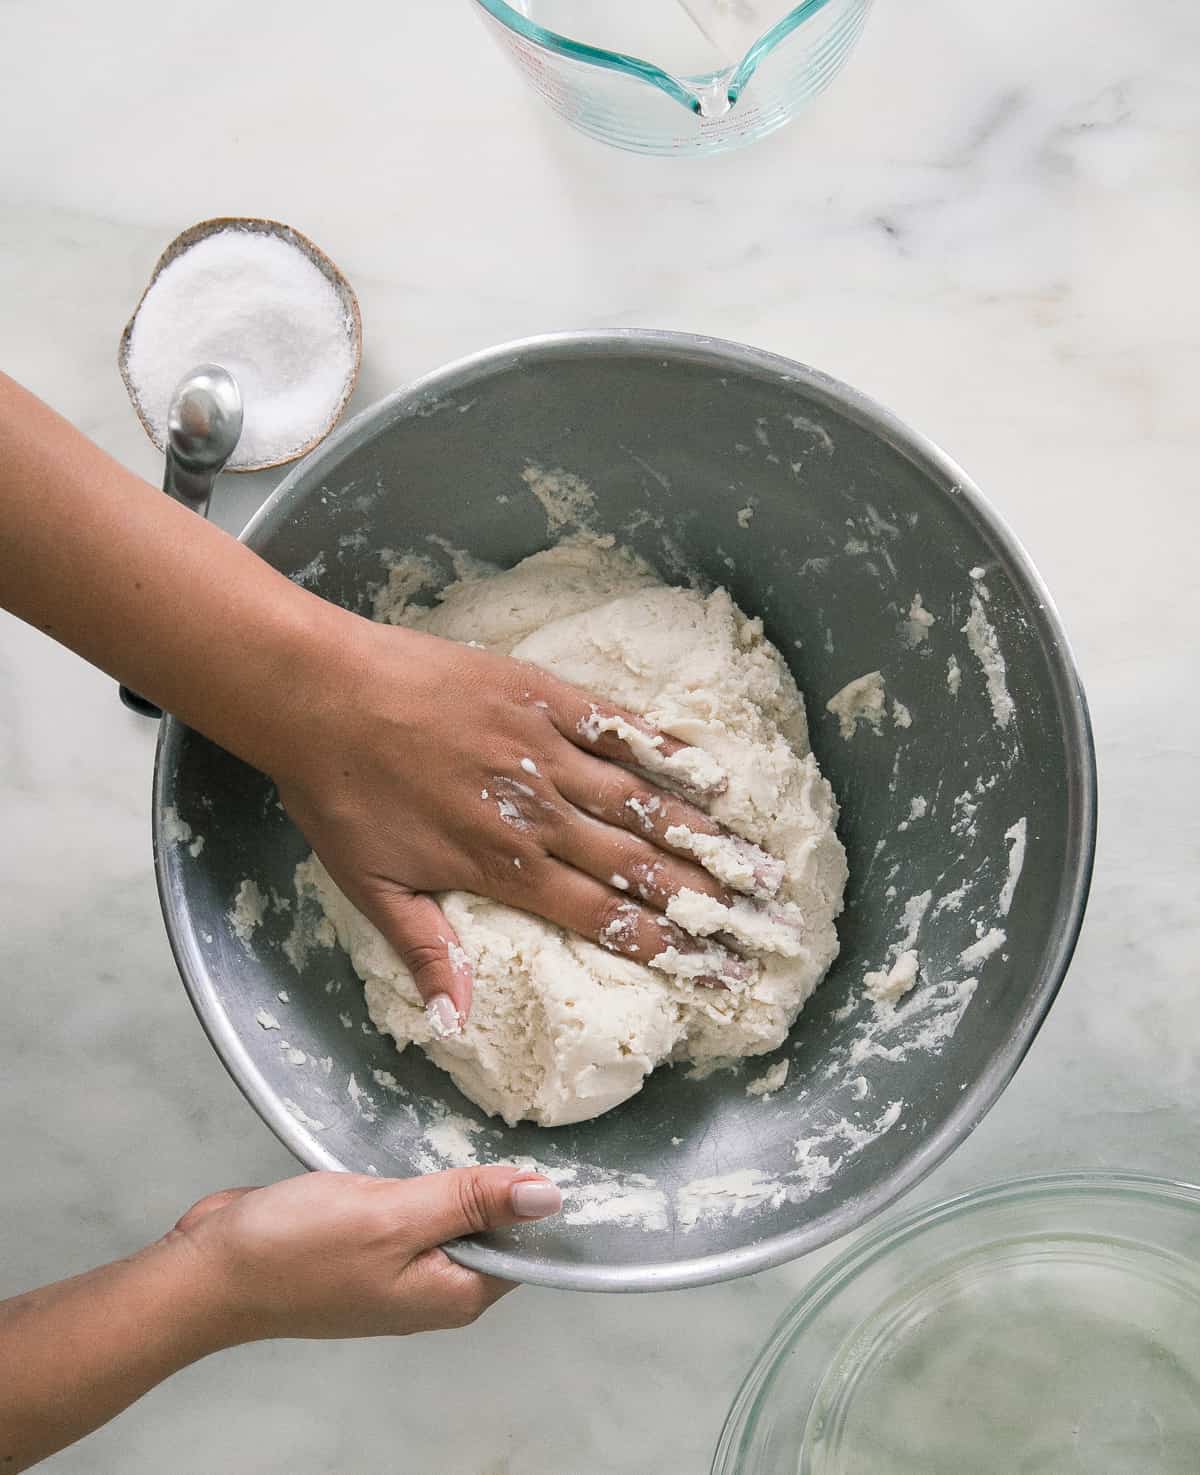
pixel 187 1291
pixel 286 689
pixel 339 666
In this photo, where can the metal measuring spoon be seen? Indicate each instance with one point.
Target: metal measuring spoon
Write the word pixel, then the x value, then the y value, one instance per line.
pixel 204 422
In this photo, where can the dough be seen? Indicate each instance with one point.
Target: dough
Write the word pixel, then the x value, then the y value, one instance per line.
pixel 561 1030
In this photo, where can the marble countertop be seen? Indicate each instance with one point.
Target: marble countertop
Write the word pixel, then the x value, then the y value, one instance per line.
pixel 989 223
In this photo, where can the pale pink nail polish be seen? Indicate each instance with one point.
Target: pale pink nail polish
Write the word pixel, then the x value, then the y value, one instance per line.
pixel 535 1198
pixel 444 1019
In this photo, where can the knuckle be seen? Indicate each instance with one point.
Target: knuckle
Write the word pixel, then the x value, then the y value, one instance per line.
pixel 424 958
pixel 617 924
pixel 473 1203
pixel 643 806
pixel 651 877
pixel 609 914
pixel 499 872
pixel 552 817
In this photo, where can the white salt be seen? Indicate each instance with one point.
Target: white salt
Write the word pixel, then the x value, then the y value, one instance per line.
pixel 259 307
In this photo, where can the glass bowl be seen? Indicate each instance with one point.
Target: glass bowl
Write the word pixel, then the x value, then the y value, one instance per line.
pixel 1048 1326
pixel 626 76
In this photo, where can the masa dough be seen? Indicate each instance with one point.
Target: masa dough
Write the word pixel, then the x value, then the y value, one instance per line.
pixel 560 1029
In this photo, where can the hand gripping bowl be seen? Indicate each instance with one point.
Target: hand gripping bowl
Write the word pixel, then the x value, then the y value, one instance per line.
pixel 825 515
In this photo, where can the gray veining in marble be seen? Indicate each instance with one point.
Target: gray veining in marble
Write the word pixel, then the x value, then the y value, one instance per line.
pixel 990 224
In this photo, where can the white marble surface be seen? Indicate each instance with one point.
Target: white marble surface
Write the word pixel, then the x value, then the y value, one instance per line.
pixel 990 224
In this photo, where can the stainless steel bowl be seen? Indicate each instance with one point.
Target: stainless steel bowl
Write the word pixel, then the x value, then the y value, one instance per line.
pixel 851 513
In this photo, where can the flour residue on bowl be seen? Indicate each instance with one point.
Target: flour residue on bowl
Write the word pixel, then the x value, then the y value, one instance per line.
pixel 295 1110
pixel 819 1157
pixel 567 500
pixel 311 929
pixel 979 952
pixel 729 1195
pixel 595 1195
pixel 634 1200
pixel 176 831
pixel 246 914
pixel 451 1138
pixel 981 637
pixel 1015 835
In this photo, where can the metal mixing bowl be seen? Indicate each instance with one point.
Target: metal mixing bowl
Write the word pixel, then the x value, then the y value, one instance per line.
pixel 850 514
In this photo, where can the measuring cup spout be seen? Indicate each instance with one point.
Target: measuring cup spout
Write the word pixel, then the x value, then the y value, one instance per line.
pixel 712 96
pixel 608 69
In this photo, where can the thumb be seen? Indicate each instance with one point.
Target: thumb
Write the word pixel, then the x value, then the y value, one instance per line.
pixel 444 1206
pixel 416 927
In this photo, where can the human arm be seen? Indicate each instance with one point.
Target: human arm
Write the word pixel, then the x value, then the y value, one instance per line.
pixel 402 757
pixel 321 1255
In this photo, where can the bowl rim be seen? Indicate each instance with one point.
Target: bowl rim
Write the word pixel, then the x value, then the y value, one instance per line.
pixel 877 1244
pixel 424 396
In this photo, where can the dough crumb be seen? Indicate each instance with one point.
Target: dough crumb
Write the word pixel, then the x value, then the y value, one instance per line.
pixel 860 700
pixel 916 627
pixel 175 831
pixel 770 1081
pixel 991 942
pixel 886 988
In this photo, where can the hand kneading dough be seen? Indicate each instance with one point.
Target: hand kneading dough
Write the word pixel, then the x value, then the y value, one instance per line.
pixel 561 1030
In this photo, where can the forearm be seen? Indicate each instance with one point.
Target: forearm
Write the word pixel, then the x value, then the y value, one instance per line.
pixel 74 1354
pixel 148 591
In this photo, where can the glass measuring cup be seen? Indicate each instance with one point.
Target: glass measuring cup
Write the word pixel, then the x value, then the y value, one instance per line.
pixel 725 71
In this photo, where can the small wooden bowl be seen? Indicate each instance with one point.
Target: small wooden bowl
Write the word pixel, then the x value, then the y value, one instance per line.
pixel 328 269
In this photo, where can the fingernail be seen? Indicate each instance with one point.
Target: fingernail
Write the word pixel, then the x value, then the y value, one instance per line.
pixel 443 1018
pixel 535 1198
